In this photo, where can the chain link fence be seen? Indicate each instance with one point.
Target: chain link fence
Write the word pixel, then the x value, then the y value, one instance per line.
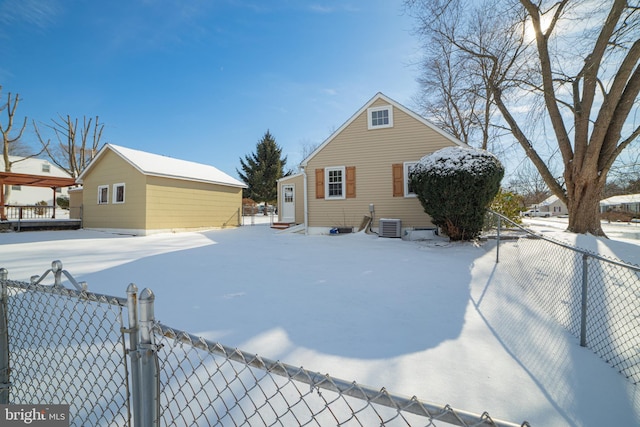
pixel 218 385
pixel 64 346
pixel 597 299
pixel 68 346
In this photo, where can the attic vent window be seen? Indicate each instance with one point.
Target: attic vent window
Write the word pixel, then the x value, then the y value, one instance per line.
pixel 380 117
pixel 46 167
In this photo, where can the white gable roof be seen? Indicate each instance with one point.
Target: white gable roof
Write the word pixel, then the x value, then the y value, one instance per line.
pixel 549 200
pixel 397 105
pixel 167 167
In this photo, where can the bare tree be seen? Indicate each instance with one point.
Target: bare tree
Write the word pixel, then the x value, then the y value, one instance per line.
pixel 11 141
pixel 528 183
pixel 308 147
pixel 8 141
pixel 75 147
pixel 574 64
pixel 453 90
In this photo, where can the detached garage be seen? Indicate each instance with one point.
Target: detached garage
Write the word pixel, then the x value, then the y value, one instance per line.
pixel 136 192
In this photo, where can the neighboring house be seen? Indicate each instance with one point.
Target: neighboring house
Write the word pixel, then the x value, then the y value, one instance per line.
pixel 136 192
pixel 625 203
pixel 362 170
pixel 29 194
pixel 553 205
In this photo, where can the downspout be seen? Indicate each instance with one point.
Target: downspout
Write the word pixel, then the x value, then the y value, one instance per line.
pixel 306 202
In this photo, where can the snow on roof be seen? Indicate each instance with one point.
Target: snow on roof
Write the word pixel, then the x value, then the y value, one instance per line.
pixel 549 200
pixel 620 200
pixel 163 166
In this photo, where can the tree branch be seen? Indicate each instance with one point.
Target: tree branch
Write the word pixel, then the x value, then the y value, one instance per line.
pixel 550 97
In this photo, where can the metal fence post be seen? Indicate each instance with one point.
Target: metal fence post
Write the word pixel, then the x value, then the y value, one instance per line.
pixel 150 379
pixel 583 311
pixel 132 308
pixel 498 241
pixel 4 340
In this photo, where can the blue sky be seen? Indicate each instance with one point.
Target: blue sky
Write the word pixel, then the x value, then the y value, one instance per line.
pixel 203 80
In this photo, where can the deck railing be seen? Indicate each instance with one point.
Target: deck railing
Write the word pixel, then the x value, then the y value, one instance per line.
pixel 29 211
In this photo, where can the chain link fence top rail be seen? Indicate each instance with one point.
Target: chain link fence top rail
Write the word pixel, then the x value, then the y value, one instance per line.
pixel 597 299
pixel 205 383
pixel 67 347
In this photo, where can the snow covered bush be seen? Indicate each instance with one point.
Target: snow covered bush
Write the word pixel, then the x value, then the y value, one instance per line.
pixel 455 185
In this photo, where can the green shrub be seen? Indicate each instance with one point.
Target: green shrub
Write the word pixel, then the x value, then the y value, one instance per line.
pixel 63 202
pixel 455 185
pixel 508 204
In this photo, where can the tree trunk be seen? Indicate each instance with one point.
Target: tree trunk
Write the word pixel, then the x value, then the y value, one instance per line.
pixel 584 209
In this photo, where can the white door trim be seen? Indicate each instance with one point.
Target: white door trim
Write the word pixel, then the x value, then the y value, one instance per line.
pixel 288 203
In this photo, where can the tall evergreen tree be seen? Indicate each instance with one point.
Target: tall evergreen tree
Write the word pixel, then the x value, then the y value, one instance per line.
pixel 261 170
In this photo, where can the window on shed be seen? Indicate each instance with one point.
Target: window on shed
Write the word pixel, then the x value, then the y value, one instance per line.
pixel 46 167
pixel 103 194
pixel 118 193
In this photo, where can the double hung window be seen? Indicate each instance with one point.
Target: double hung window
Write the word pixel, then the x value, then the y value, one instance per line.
pixel 334 182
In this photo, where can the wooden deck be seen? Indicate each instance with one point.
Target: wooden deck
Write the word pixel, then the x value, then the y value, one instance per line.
pixel 40 224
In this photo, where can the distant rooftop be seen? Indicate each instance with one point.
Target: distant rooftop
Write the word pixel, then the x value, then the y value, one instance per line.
pixel 619 200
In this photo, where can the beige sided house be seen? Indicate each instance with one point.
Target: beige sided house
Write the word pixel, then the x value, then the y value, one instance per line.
pixel 362 170
pixel 135 192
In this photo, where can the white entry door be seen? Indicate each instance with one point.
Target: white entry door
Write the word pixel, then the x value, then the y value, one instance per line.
pixel 288 203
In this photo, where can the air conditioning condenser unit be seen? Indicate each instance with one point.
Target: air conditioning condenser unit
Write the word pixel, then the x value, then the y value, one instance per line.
pixel 389 227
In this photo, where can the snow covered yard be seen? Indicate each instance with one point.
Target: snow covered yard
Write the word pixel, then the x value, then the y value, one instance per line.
pixel 437 320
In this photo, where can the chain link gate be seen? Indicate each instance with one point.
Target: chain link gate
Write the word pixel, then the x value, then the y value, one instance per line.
pixel 64 346
pixel 68 346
